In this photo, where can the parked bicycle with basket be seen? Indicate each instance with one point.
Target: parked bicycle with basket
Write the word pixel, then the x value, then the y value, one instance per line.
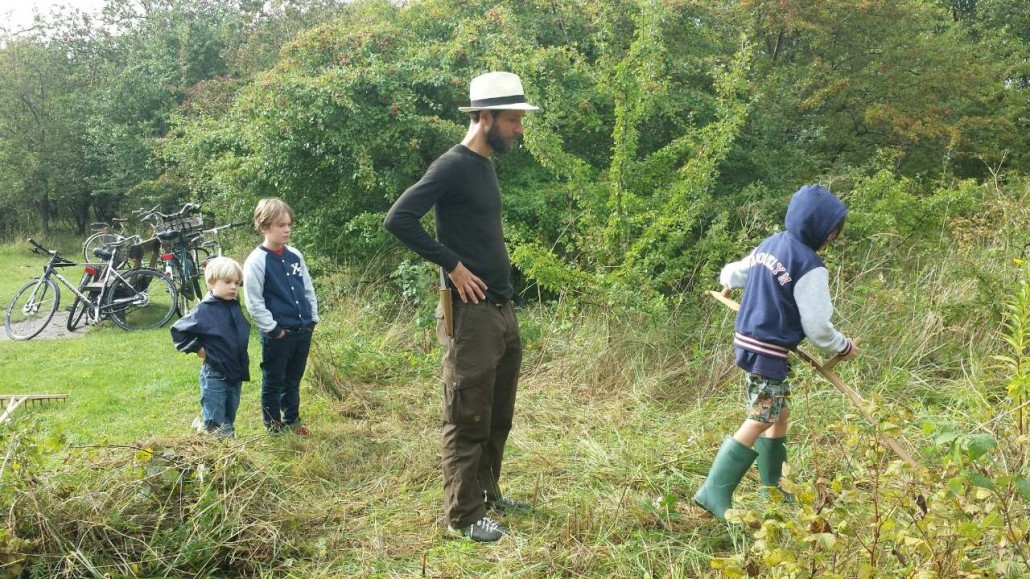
pixel 181 260
pixel 137 299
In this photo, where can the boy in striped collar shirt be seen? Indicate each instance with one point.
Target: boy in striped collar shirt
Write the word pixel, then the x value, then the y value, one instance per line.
pixel 786 299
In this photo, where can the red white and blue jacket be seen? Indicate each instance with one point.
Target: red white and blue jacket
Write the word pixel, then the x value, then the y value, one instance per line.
pixel 278 290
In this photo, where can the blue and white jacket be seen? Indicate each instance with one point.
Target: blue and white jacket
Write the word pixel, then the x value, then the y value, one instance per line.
pixel 786 288
pixel 278 290
pixel 219 327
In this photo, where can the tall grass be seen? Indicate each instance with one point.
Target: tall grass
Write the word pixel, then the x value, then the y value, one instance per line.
pixel 616 423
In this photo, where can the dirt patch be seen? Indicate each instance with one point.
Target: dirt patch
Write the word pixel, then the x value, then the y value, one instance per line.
pixel 57 329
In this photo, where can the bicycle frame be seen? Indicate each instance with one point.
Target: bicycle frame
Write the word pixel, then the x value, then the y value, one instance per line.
pixel 181 266
pixel 108 275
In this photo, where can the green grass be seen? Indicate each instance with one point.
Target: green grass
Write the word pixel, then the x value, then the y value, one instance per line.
pixel 607 421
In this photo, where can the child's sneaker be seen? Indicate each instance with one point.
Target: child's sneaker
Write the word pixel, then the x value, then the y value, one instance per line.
pixel 198 425
pixel 485 530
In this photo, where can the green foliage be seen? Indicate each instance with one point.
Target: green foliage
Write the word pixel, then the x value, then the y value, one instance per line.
pixel 838 80
pixel 617 418
pixel 43 172
pixel 24 446
pixel 1017 336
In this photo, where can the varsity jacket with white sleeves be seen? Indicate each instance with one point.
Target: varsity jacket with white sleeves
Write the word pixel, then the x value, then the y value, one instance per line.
pixel 278 290
pixel 786 288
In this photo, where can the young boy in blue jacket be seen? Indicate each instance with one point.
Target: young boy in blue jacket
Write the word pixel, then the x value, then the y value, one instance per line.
pixel 281 300
pixel 786 299
pixel 218 333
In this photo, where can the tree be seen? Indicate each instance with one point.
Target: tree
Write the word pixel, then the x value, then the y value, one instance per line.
pixel 837 81
pixel 41 147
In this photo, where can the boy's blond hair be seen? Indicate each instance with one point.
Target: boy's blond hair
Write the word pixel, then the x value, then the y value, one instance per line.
pixel 269 212
pixel 223 268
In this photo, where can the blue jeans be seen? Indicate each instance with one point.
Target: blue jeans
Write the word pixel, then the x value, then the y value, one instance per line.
pixel 283 361
pixel 219 399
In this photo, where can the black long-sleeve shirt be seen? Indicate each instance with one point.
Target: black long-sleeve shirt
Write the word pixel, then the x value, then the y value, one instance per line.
pixel 461 187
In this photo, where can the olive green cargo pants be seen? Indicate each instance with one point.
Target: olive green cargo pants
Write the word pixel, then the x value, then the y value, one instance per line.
pixel 480 376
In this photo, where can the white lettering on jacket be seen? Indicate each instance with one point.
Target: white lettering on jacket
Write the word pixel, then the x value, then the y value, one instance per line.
pixel 770 262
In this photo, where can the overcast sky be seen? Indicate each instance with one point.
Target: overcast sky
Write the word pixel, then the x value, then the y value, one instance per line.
pixel 17 14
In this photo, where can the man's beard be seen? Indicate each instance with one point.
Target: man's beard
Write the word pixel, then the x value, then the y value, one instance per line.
pixel 496 141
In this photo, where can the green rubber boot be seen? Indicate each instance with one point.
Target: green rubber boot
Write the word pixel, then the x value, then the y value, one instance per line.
pixel 772 453
pixel 729 466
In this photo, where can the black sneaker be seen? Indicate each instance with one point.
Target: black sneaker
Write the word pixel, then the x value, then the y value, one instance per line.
pixel 507 505
pixel 485 530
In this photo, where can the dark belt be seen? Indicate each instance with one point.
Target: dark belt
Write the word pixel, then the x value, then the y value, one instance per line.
pixel 495 301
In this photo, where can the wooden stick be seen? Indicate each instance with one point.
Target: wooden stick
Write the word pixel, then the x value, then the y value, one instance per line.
pixel 34 396
pixel 826 371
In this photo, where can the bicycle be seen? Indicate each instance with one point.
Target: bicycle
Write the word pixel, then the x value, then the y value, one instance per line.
pixel 104 236
pixel 93 274
pixel 176 232
pixel 188 258
pixel 138 299
pixel 133 259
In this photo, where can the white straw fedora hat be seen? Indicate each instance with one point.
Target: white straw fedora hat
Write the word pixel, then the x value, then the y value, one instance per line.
pixel 499 91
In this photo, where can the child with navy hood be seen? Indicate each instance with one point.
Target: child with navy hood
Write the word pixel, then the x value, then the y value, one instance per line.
pixel 218 334
pixel 786 299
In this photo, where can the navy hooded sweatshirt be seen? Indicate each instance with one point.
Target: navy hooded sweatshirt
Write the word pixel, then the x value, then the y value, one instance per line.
pixel 786 288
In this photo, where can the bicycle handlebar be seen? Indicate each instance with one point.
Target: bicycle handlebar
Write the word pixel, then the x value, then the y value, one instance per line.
pixel 226 226
pixel 143 214
pixel 154 213
pixel 37 248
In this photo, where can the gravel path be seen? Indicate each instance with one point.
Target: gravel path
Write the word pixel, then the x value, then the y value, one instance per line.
pixel 57 329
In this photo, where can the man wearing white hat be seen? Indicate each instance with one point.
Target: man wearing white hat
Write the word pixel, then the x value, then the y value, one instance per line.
pixel 483 349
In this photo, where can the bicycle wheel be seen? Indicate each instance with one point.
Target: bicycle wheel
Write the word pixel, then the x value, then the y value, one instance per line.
pixel 183 307
pixel 97 240
pixel 181 278
pixel 79 307
pixel 201 254
pixel 32 308
pixel 187 282
pixel 141 299
pixel 194 276
pixel 75 313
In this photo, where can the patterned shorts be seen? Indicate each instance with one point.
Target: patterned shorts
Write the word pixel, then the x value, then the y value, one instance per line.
pixel 766 398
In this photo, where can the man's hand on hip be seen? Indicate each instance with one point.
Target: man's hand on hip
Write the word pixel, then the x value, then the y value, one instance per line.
pixel 470 287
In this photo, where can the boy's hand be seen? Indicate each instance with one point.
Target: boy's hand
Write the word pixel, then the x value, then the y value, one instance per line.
pixel 202 354
pixel 851 355
pixel 853 352
pixel 726 292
